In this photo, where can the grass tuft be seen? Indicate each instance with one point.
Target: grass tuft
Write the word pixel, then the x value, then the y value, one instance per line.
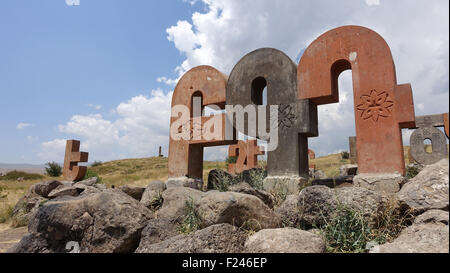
pixel 192 219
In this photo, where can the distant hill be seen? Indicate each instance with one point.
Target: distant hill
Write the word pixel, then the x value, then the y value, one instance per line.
pixel 29 168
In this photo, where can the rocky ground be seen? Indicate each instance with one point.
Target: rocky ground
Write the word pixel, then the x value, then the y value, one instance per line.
pixel 178 217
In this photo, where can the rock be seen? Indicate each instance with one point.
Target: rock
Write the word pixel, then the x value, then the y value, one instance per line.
pixel 44 188
pixel 157 230
pixel 243 187
pixel 175 200
pixel 286 184
pixel 284 240
pixel 288 211
pixel 428 190
pixel 108 221
pixel 317 203
pixel 152 192
pixel 433 216
pixel 101 187
pixel 88 182
pixel 216 175
pixel 63 191
pixel 428 234
pixel 348 169
pixel 241 210
pixel 135 192
pixel 192 183
pixel 385 183
pixel 248 175
pixel 222 238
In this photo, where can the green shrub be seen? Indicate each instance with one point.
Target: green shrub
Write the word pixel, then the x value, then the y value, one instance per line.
pixel 345 155
pixel 96 163
pixel 223 182
pixel 192 219
pixel 230 160
pixel 54 169
pixel 6 214
pixel 90 174
pixel 279 194
pixel 156 202
pixel 14 175
pixel 256 178
pixel 346 231
pixel 3 193
pixel 411 172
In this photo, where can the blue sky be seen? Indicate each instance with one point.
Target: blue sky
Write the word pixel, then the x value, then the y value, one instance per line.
pixel 103 71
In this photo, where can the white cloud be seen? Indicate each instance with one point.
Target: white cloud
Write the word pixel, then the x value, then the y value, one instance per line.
pixel 416 31
pixel 53 150
pixel 373 2
pixel 32 139
pixel 95 106
pixel 141 127
pixel 22 125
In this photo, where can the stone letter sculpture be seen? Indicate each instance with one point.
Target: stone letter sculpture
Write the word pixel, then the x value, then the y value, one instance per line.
pixel 247 156
pixel 71 170
pixel 186 155
pixel 297 119
pixel 382 108
pixel 426 129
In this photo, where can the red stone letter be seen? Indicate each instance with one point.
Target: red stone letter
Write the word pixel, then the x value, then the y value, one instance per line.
pixel 71 170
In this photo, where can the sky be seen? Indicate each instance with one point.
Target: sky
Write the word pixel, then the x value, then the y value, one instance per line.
pixel 103 71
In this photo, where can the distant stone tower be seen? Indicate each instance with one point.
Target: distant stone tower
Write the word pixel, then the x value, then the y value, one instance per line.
pixel 160 153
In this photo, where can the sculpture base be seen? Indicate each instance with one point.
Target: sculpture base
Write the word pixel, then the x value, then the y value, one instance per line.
pixel 284 184
pixel 385 183
pixel 187 182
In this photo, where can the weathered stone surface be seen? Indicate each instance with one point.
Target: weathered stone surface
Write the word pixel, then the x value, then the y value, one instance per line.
pixel 317 203
pixel 63 191
pixel 156 231
pixel 289 212
pixel 284 240
pixel 108 221
pixel 428 190
pixel 348 169
pixel 25 208
pixel 152 192
pixel 175 201
pixel 44 188
pixel 428 234
pixel 382 107
pixel 241 210
pixel 89 182
pixel 433 216
pixel 222 238
pixel 335 182
pixel 318 174
pixel 289 184
pixel 135 192
pixel 353 152
pixel 71 170
pixel 385 183
pixel 243 187
pixel 192 183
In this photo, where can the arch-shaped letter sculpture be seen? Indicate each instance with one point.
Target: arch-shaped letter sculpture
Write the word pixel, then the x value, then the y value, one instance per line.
pixel 247 155
pixel 382 107
pixel 186 155
pixel 71 170
pixel 297 119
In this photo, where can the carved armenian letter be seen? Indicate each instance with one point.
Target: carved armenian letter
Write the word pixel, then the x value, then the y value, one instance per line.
pixel 382 107
pixel 71 170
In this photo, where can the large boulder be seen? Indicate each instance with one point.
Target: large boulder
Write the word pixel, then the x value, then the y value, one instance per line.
pixel 428 190
pixel 25 208
pixel 284 240
pixel 157 230
pixel 384 183
pixel 318 203
pixel 108 221
pixel 289 212
pixel 152 193
pixel 217 177
pixel 175 198
pixel 428 234
pixel 222 238
pixel 244 187
pixel 241 210
pixel 64 190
